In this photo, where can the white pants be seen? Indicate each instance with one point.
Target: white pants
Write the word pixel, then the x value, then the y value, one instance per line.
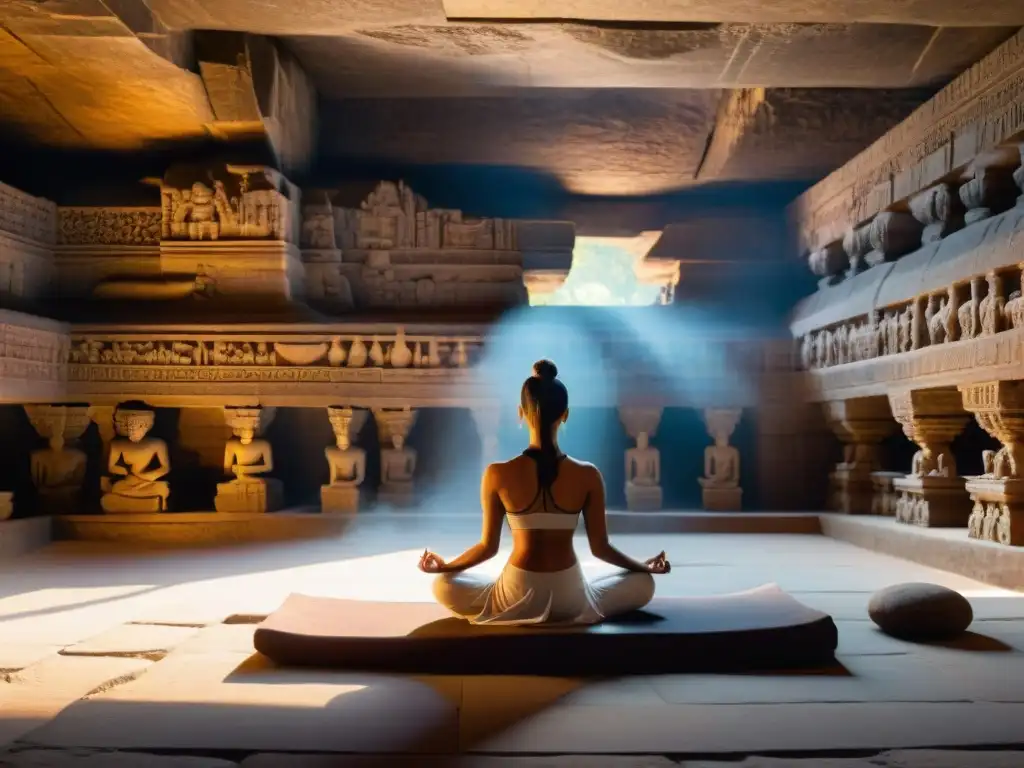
pixel 533 597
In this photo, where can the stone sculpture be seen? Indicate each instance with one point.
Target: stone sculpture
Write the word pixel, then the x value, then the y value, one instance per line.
pixel 248 457
pixel 397 463
pixel 721 481
pixel 58 470
pixel 643 475
pixel 136 464
pixel 346 462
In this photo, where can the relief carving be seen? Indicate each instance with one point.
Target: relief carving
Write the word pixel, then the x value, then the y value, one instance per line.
pixel 236 202
pixel 26 216
pixel 940 211
pixel 891 235
pixel 989 191
pixel 108 226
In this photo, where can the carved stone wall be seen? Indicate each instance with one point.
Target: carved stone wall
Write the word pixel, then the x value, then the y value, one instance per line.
pixel 394 250
pixel 33 354
pixel 27 231
pixel 108 226
pixel 979 110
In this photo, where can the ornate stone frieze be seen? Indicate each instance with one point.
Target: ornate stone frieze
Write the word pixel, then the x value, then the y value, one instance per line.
pixel 26 216
pixel 980 109
pixel 229 203
pixel 32 353
pixel 108 226
pixel 394 351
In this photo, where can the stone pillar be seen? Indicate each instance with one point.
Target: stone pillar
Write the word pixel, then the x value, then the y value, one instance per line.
pixel 346 462
pixel 643 463
pixel 397 460
pixel 249 458
pixel 861 424
pixel 794 478
pixel 998 495
pixel 933 494
pixel 721 481
pixel 58 471
pixel 488 422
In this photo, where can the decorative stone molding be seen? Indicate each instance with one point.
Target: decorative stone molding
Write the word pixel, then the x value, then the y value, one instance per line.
pixel 892 235
pixel 998 495
pixel 939 210
pixel 977 111
pixel 108 226
pixel 25 216
pixel 933 493
pixel 987 191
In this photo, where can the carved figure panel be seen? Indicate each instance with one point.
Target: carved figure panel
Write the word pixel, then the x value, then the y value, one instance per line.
pixel 26 216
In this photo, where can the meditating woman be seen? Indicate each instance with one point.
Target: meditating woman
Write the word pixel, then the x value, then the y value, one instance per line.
pixel 542 492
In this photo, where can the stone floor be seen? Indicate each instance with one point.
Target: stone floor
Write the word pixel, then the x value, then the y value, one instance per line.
pixel 114 656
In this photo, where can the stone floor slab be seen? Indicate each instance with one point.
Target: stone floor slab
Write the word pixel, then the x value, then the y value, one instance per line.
pixel 140 640
pixel 456 761
pixel 860 638
pixel 16 656
pixel 234 702
pixel 919 758
pixel 60 758
pixel 753 729
pixel 31 697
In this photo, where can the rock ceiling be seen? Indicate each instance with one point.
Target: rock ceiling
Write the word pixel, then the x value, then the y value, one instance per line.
pixel 601 97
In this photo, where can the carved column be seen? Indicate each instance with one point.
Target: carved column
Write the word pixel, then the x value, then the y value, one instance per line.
pixel 488 422
pixel 998 495
pixel 643 462
pixel 721 481
pixel 346 462
pixel 397 460
pixel 861 424
pixel 250 459
pixel 58 470
pixel 794 477
pixel 933 494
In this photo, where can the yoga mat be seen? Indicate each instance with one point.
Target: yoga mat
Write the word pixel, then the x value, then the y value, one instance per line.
pixel 762 628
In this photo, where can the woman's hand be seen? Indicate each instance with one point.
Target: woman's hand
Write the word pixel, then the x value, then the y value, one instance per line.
pixel 431 563
pixel 658 565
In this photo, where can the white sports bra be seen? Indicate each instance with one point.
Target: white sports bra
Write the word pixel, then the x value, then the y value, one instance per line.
pixel 529 519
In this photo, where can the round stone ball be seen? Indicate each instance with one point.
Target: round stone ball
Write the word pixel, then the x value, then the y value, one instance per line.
pixel 920 611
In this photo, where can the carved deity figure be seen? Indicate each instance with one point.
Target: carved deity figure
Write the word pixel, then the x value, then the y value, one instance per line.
pixel 136 465
pixel 1013 312
pixel 992 306
pixel 906 329
pixel 721 464
pixel 892 333
pixel 398 463
pixel 346 462
pixel 643 464
pixel 968 313
pixel 58 469
pixel 950 314
pixel 200 210
pixel 250 459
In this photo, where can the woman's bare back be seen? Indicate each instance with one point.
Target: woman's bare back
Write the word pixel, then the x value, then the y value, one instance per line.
pixel 519 492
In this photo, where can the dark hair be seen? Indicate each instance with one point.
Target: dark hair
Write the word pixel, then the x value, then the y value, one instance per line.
pixel 547 398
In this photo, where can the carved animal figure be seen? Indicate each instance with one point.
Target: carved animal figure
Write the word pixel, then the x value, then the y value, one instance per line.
pixel 906 325
pixel 967 315
pixel 991 307
pixel 1013 311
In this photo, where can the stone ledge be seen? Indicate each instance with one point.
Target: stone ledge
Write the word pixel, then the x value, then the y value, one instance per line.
pixel 947 549
pixel 20 536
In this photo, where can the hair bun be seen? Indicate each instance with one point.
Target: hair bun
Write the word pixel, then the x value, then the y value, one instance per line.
pixel 545 369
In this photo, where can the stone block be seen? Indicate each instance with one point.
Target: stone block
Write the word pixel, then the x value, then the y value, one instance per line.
pixel 339 498
pixel 934 502
pixel 252 496
pixel 643 498
pixel 722 499
pixel 113 504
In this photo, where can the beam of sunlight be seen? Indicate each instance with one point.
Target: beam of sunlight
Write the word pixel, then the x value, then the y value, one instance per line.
pixel 65 598
pixel 604 274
